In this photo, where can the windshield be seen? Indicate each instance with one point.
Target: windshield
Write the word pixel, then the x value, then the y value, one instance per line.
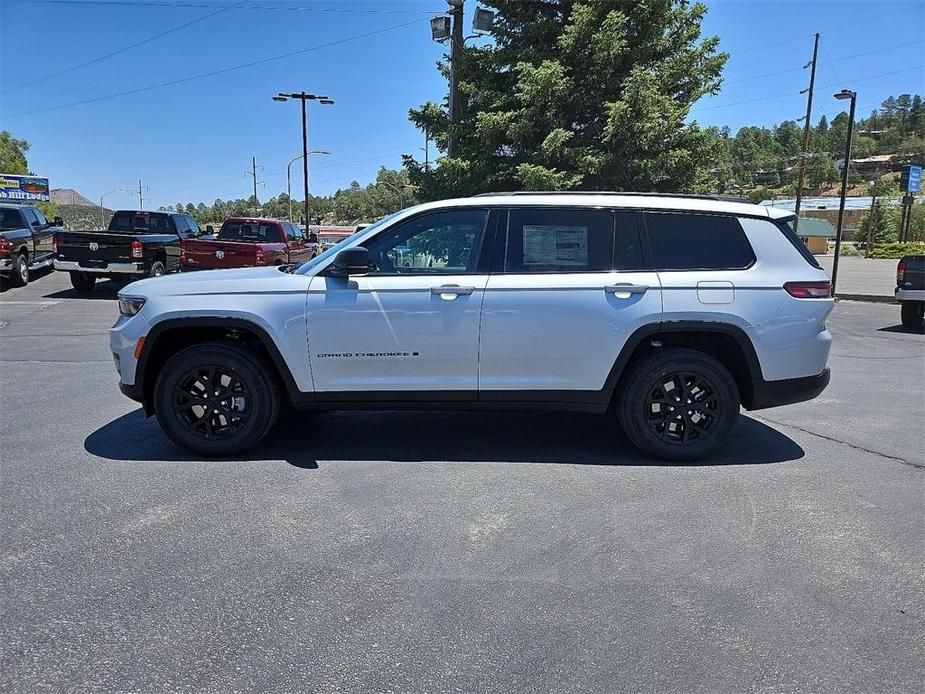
pixel 337 247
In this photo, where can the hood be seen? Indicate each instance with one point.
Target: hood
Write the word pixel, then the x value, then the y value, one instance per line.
pixel 251 280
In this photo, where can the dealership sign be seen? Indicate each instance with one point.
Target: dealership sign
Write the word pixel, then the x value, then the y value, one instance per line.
pixel 23 189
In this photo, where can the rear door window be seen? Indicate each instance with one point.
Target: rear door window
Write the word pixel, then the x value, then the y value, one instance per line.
pixel 690 241
pixel 555 240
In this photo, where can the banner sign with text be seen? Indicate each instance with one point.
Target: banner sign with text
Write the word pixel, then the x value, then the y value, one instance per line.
pixel 23 189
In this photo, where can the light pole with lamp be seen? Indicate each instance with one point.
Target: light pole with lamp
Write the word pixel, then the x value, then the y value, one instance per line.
pixel 841 96
pixel 289 175
pixel 117 190
pixel 305 97
pixel 397 189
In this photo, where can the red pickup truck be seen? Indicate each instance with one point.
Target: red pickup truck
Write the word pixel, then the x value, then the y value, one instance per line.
pixel 248 242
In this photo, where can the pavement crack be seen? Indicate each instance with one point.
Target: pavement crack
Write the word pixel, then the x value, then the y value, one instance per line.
pixel 903 461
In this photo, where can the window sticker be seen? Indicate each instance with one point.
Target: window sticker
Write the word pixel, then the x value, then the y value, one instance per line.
pixel 555 245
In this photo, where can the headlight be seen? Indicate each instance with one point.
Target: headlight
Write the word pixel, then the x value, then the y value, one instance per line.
pixel 129 306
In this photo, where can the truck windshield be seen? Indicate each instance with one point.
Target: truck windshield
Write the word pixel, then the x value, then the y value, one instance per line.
pixel 248 231
pixel 132 222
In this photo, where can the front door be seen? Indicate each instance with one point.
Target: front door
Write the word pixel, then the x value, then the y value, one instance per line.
pixel 567 289
pixel 410 324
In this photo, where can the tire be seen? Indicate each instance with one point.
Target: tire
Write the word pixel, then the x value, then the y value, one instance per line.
pixel 157 269
pixel 19 276
pixel 658 433
pixel 184 417
pixel 83 281
pixel 912 314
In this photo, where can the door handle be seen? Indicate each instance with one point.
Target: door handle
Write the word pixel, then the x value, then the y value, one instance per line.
pixel 625 290
pixel 452 290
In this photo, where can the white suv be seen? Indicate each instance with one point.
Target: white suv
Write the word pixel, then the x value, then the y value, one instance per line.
pixel 667 311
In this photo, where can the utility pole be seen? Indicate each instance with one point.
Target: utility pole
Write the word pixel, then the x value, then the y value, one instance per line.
pixel 253 174
pixel 807 126
pixel 456 46
pixel 426 150
pixel 141 190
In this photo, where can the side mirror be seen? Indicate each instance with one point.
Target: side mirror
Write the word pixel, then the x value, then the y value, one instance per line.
pixel 59 222
pixel 312 238
pixel 351 261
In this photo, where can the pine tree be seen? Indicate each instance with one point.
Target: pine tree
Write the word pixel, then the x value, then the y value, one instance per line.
pixel 590 94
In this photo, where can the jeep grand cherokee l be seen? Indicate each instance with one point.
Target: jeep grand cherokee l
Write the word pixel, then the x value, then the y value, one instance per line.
pixel 669 312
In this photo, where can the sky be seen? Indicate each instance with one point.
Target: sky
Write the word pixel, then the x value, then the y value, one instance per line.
pixel 192 140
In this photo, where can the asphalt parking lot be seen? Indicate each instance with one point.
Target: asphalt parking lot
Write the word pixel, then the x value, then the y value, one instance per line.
pixel 456 552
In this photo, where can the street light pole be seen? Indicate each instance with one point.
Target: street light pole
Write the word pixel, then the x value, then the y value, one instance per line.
pixel 289 175
pixel 397 189
pixel 304 97
pixel 117 190
pixel 852 96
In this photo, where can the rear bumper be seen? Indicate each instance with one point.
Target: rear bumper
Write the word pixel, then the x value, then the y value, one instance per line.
pixel 6 264
pixel 910 294
pixel 111 268
pixel 788 391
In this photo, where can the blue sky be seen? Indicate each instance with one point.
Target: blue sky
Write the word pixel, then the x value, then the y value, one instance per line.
pixel 193 140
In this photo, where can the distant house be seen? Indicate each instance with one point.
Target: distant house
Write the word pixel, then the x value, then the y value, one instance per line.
pixel 815 233
pixel 827 208
pixel 877 164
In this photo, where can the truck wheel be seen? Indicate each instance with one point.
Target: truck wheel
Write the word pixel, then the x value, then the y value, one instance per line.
pixel 678 404
pixel 20 275
pixel 216 399
pixel 157 269
pixel 82 281
pixel 912 314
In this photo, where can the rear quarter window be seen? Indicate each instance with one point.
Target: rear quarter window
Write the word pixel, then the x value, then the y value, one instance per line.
pixel 689 241
pixel 786 228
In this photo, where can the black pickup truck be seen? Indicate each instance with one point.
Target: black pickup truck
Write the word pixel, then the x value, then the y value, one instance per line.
pixel 25 242
pixel 910 290
pixel 137 244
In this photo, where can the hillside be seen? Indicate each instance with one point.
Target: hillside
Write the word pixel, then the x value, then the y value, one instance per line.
pixel 84 217
pixel 69 196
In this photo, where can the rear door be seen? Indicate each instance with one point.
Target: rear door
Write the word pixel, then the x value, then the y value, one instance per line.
pixel 568 287
pixel 412 323
pixel 32 224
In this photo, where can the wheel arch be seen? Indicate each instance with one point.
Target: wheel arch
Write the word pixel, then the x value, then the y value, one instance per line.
pixel 168 337
pixel 728 343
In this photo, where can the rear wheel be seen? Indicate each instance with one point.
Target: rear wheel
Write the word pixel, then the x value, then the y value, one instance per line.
pixel 20 275
pixel 157 269
pixel 678 404
pixel 912 314
pixel 216 399
pixel 82 281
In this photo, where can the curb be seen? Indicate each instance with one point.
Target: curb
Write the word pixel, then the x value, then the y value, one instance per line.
pixel 870 298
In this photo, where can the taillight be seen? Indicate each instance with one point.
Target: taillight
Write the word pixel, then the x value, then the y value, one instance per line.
pixel 182 252
pixel 260 258
pixel 138 251
pixel 809 290
pixel 901 272
pixel 5 248
pixel 54 244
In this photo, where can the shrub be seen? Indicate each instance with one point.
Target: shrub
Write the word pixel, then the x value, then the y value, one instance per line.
pixel 897 250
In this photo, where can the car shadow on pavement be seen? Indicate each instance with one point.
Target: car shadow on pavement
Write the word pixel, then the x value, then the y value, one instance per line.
pixel 102 290
pixel 307 439
pixel 901 329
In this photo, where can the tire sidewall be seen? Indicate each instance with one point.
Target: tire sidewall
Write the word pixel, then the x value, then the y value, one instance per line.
pixel 646 376
pixel 264 401
pixel 155 266
pixel 20 274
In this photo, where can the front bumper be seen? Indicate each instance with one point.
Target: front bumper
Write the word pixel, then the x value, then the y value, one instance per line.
pixel 787 391
pixel 910 294
pixel 111 268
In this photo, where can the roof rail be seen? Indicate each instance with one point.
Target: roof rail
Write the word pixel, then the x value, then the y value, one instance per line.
pixel 694 196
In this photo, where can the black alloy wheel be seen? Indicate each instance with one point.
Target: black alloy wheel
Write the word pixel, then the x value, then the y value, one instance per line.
pixel 211 401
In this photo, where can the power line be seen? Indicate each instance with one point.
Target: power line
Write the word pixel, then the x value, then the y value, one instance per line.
pixel 213 73
pixel 123 49
pixel 201 5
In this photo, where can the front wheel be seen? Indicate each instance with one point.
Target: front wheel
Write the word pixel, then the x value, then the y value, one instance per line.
pixel 912 313
pixel 678 404
pixel 216 399
pixel 20 274
pixel 82 281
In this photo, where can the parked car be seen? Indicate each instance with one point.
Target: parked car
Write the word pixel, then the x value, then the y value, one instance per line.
pixel 137 244
pixel 25 242
pixel 248 242
pixel 910 290
pixel 668 312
